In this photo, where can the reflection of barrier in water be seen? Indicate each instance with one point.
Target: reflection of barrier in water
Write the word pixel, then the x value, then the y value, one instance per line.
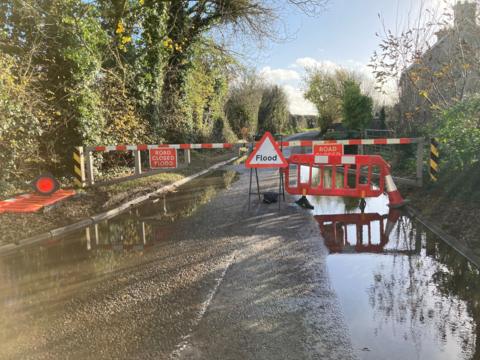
pixel 155 221
pixel 334 228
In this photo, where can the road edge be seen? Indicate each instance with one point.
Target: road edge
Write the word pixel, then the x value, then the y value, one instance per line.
pixel 448 239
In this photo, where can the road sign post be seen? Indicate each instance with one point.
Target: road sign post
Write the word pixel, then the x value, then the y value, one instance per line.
pixel 265 155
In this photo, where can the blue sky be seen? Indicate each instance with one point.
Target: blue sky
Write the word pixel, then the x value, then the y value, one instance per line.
pixel 343 35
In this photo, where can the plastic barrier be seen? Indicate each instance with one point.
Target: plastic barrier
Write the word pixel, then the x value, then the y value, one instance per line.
pixel 324 180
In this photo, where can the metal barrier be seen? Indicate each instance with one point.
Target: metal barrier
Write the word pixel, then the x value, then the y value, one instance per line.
pixel 324 182
pixel 84 163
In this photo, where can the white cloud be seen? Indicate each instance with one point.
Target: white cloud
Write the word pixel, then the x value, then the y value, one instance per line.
pixel 278 75
pixel 311 63
pixel 298 105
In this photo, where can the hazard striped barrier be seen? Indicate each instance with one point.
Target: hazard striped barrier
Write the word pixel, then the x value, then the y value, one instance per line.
pixel 394 141
pixel 434 159
pixel 301 143
pixel 143 147
pixel 88 161
pixel 83 169
pixel 79 167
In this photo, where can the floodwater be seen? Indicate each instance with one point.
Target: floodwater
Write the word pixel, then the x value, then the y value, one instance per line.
pixel 36 281
pixel 404 293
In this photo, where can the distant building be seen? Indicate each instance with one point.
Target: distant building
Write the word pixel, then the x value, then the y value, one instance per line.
pixel 445 73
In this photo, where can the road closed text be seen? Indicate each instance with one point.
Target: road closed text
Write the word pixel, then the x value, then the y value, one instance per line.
pixel 163 158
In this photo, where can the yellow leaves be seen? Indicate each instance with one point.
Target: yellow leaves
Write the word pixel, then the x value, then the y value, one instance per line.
pixel 423 93
pixel 141 2
pixel 120 28
pixel 126 39
pixel 169 44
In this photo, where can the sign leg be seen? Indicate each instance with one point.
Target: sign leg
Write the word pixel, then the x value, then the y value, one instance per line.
pixel 250 188
pixel 258 185
pixel 279 187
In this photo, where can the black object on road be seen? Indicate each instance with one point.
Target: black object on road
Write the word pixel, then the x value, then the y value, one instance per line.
pixel 303 202
pixel 270 197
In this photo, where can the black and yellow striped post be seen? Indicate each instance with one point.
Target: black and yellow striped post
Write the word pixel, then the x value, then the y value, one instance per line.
pixel 434 159
pixel 79 167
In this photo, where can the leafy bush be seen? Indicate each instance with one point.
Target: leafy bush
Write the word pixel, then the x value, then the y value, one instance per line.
pixel 243 104
pixel 357 109
pixel 273 112
pixel 459 134
pixel 221 132
pixel 20 128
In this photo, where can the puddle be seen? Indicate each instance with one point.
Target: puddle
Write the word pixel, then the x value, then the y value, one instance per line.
pixel 63 266
pixel 404 293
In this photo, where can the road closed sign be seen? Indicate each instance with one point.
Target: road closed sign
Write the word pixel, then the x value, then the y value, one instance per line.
pixel 266 154
pixel 328 149
pixel 163 158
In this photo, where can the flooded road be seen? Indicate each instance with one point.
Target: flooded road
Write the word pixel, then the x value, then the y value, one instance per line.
pixel 110 266
pixel 404 293
pixel 194 275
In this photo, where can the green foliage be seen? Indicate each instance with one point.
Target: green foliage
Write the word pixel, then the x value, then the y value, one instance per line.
pixel 325 91
pixel 20 126
pixel 78 72
pixel 382 117
pixel 301 123
pixel 459 134
pixel 221 132
pixel 357 109
pixel 243 104
pixel 206 87
pixel 273 112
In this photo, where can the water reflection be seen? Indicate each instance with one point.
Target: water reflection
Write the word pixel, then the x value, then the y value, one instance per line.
pixel 60 267
pixel 346 233
pixel 405 294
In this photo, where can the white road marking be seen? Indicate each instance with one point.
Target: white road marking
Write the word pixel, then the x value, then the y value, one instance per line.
pixel 203 309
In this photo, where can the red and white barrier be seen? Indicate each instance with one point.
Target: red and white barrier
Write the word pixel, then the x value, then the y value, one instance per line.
pixel 307 143
pixel 343 164
pixel 301 143
pixel 159 146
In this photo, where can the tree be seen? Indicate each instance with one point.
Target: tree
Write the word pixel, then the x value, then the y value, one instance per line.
pixel 187 21
pixel 273 112
pixel 382 117
pixel 243 103
pixel 325 90
pixel 431 76
pixel 356 108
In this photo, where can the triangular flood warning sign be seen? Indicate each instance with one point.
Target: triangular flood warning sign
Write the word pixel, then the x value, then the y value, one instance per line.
pixel 266 154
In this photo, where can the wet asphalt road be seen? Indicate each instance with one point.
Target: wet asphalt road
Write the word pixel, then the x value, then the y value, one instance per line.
pixel 226 283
